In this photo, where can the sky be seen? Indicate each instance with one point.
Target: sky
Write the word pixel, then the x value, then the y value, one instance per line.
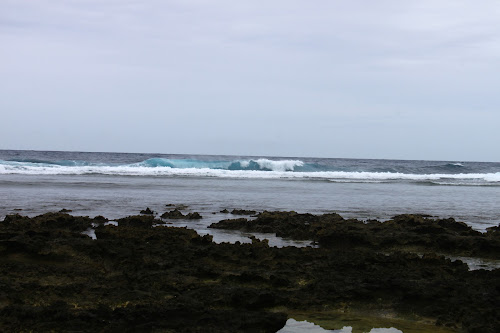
pixel 352 79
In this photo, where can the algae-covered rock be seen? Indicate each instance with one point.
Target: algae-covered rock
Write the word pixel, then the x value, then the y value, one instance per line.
pixel 177 214
pixel 194 216
pixel 147 211
pixel 141 221
pixel 174 214
pixel 402 232
pixel 243 212
pixel 135 277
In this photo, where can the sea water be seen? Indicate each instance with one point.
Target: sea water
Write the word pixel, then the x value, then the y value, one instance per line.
pixel 294 326
pixel 115 185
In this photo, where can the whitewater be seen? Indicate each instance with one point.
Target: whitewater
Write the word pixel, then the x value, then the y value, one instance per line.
pixel 121 184
pixel 251 168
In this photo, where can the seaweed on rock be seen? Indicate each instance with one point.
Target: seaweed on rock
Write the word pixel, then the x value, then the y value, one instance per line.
pixel 136 277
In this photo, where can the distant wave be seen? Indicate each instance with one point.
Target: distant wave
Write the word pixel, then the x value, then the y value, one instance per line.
pixel 455 165
pixel 262 164
pixel 258 169
pixel 38 163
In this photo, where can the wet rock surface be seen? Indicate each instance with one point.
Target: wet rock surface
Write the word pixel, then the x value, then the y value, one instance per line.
pixel 417 233
pixel 243 212
pixel 177 214
pixel 137 277
pixel 147 211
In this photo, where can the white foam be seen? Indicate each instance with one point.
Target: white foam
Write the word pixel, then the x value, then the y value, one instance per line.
pixel 280 168
pixel 283 165
pixel 244 164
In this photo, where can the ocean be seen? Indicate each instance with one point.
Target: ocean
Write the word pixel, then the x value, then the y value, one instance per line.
pixel 116 185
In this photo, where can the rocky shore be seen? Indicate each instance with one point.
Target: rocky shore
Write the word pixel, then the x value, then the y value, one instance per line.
pixel 143 276
pixel 402 233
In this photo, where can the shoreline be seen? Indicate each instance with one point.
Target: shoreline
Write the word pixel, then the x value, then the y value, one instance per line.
pixel 171 278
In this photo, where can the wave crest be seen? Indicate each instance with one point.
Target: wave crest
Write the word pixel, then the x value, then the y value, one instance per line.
pixel 262 164
pixel 266 165
pixel 455 165
pixel 261 168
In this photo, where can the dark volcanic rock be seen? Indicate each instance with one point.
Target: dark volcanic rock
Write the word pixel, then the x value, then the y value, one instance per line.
pixel 231 224
pixel 174 214
pixel 52 222
pixel 138 278
pixel 403 232
pixel 100 219
pixel 132 278
pixel 147 211
pixel 193 216
pixel 284 224
pixel 138 221
pixel 177 214
pixel 493 232
pixel 243 212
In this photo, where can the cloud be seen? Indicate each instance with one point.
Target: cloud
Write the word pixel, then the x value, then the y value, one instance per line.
pixel 212 67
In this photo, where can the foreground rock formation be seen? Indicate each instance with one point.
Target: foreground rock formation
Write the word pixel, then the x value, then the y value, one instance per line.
pixel 403 232
pixel 141 277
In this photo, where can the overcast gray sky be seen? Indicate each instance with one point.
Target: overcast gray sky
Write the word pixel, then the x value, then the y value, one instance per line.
pixel 363 79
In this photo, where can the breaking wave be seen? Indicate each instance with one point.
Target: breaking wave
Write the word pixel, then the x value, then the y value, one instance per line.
pixel 261 168
pixel 262 164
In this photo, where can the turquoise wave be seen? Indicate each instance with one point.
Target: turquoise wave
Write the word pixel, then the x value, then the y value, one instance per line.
pixel 257 164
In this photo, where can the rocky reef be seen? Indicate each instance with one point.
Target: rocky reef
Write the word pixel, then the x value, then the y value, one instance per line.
pixel 411 233
pixel 177 214
pixel 139 276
